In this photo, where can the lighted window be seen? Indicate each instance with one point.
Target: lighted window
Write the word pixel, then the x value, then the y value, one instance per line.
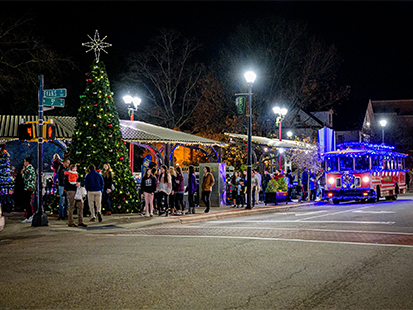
pixel 332 164
pixel 362 163
pixel 346 163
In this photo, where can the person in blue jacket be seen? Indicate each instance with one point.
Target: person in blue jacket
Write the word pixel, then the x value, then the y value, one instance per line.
pixel 94 185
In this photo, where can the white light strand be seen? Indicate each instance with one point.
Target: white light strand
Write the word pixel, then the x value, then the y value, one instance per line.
pixel 97 45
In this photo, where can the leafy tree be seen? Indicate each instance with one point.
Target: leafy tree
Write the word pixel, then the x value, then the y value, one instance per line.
pixel 97 139
pixel 167 76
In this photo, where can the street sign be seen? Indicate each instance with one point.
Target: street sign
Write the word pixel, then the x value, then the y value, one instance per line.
pixel 54 93
pixel 53 102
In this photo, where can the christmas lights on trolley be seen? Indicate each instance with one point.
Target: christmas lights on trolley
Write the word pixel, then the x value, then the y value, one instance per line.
pixel 362 171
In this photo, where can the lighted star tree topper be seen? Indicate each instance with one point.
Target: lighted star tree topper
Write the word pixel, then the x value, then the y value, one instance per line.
pixel 97 45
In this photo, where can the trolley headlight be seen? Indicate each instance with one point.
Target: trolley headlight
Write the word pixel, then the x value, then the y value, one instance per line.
pixel 331 180
pixel 366 179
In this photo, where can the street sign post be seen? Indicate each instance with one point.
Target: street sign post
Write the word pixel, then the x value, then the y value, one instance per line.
pixel 53 102
pixel 55 93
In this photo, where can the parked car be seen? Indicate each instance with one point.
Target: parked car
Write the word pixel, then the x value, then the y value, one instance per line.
pixel 2 221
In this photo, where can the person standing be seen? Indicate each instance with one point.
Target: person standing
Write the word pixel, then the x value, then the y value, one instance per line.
pixel 191 188
pixel 255 184
pixel 234 184
pixel 148 189
pixel 163 189
pixel 107 188
pixel 70 188
pixel 265 181
pixel 207 183
pixel 179 191
pixel 304 183
pixel 63 203
pixel 171 197
pixel 29 180
pixel 94 185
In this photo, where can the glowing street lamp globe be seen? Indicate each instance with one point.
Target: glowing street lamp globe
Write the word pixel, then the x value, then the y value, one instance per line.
pixel 250 77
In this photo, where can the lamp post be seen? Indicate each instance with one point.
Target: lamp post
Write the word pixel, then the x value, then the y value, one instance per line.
pixel 250 78
pixel 133 103
pixel 383 123
pixel 282 112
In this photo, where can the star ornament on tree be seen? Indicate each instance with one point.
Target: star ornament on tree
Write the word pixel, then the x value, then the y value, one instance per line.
pixel 97 45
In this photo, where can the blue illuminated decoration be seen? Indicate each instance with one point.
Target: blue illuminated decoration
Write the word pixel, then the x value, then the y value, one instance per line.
pixel 364 146
pixel 347 181
pixel 381 157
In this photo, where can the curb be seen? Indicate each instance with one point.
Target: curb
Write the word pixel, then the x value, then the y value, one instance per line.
pixel 239 213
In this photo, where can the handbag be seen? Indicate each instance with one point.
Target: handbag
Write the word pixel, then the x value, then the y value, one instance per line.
pixel 80 193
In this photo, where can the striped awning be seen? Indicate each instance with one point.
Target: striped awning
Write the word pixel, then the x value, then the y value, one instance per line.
pixel 9 125
pixel 132 131
pixel 275 143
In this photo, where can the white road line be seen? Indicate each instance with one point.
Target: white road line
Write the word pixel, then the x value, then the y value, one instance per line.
pixel 305 221
pixel 268 239
pixel 308 229
pixel 373 212
pixel 334 213
pixel 309 213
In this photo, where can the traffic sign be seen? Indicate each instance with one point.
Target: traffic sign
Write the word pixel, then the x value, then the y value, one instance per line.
pixel 54 93
pixel 53 102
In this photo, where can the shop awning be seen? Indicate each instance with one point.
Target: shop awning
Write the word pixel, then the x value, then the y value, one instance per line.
pixel 132 131
pixel 274 143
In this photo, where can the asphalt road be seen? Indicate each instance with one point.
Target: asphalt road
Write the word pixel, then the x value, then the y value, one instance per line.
pixel 350 256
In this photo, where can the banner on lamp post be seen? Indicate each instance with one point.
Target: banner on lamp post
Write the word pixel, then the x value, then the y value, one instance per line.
pixel 241 104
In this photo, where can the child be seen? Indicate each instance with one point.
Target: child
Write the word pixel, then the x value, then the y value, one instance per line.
pixel 72 174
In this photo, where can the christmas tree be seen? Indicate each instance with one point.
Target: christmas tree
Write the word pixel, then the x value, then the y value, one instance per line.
pixel 6 180
pixel 97 139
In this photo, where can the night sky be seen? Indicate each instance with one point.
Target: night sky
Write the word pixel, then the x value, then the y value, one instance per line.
pixel 373 38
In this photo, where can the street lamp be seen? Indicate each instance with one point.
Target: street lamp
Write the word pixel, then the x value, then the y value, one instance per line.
pixel 289 134
pixel 133 104
pixel 250 78
pixel 282 112
pixel 383 123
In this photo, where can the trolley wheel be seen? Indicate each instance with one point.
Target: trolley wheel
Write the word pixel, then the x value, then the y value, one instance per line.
pixel 336 202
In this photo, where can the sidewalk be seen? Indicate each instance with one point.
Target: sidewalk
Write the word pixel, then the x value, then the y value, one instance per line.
pixel 135 221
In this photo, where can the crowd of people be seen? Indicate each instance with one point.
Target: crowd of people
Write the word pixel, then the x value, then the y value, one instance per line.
pixel 162 189
pixel 304 185
pixel 165 189
pixel 97 186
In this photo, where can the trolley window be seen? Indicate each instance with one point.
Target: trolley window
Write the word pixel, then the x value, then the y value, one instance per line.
pixel 332 163
pixel 346 163
pixel 362 163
